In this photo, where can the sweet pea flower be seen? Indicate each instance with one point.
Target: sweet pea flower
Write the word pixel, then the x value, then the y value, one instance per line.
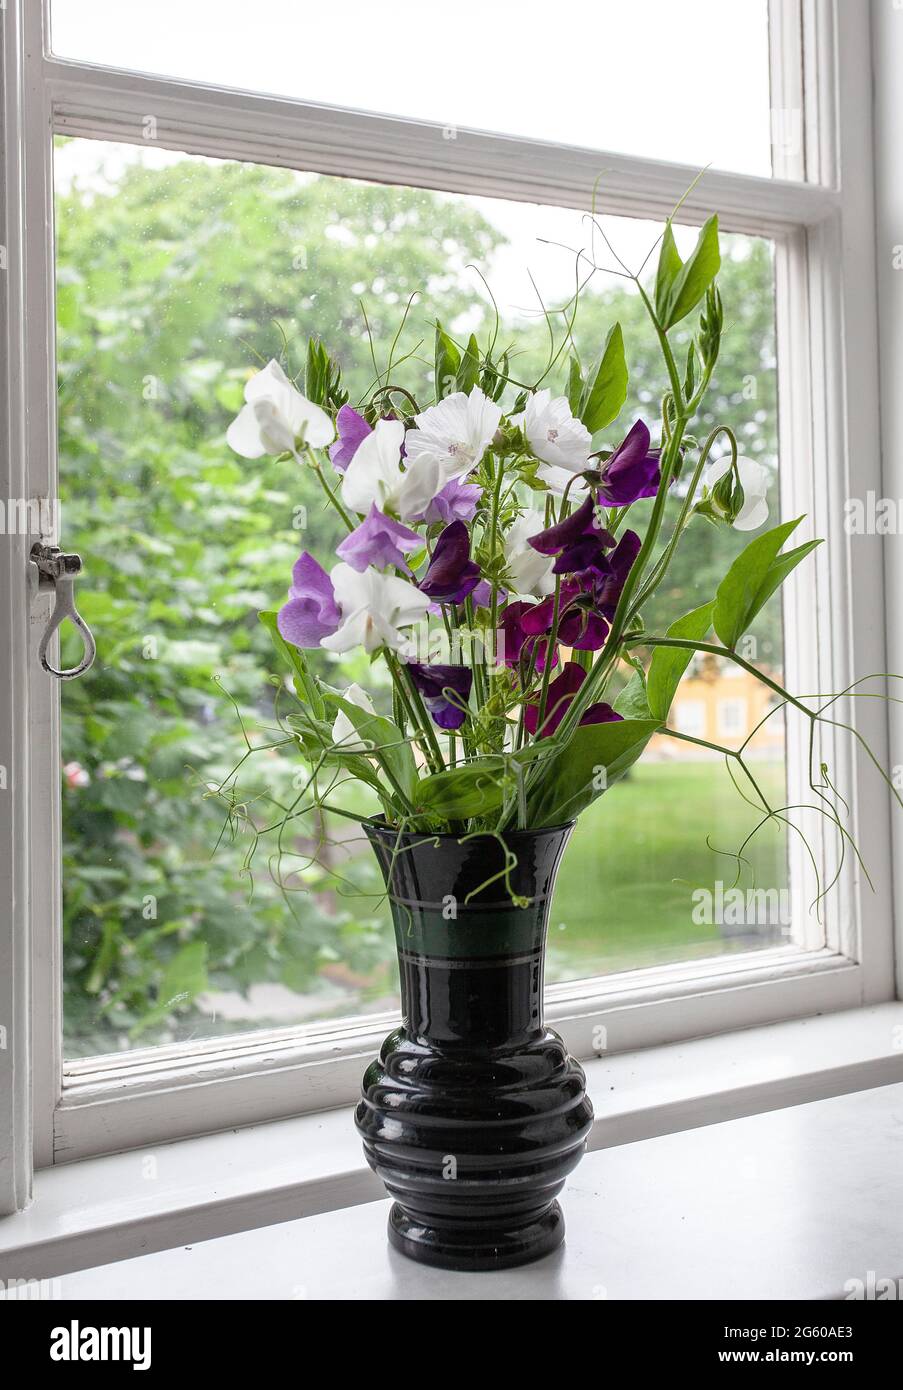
pixel 632 471
pixel 754 482
pixel 344 735
pixel 375 475
pixel 454 434
pixel 560 693
pixel 451 574
pixel 445 691
pixel 607 587
pixel 456 502
pixel 277 418
pixel 378 541
pixel 578 542
pixel 311 612
pixel 353 430
pixel 561 442
pixel 373 607
pixel 531 573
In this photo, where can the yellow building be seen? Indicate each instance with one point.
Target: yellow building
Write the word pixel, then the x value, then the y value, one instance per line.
pixel 720 702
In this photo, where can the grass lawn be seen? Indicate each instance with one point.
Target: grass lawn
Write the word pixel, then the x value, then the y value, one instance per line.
pixel 624 893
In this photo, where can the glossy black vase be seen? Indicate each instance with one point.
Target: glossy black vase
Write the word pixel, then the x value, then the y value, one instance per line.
pixel 474 1113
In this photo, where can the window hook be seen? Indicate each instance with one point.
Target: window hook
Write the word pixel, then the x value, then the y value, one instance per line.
pixel 52 569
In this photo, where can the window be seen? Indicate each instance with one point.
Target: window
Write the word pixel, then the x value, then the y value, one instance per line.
pixel 153 285
pixel 732 718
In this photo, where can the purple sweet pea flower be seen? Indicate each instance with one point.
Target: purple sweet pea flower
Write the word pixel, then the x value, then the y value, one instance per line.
pixel 353 430
pixel 579 541
pixel 632 471
pixel 608 590
pixel 378 541
pixel 559 696
pixel 456 502
pixel 311 611
pixel 451 574
pixel 578 625
pixel 445 691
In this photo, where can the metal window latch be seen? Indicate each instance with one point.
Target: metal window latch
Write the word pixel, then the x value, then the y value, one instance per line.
pixel 50 568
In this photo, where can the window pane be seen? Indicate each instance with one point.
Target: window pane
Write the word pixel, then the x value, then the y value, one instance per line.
pixel 685 82
pixel 172 273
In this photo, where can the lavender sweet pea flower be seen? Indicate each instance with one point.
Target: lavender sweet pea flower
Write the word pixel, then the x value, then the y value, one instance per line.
pixel 559 696
pixel 632 471
pixel 445 691
pixel 378 541
pixel 353 430
pixel 451 574
pixel 456 502
pixel 311 611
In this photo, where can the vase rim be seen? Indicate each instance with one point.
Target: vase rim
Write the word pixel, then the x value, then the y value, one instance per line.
pixel 380 823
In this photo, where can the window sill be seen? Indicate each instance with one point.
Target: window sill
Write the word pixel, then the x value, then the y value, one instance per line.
pixel 113 1208
pixel 736 1211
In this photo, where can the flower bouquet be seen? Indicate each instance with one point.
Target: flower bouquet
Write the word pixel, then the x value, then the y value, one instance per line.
pixel 488 559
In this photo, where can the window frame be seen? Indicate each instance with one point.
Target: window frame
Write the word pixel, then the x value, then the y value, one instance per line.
pixel 823 230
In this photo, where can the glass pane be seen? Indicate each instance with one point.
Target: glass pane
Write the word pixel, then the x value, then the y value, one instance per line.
pixel 173 272
pixel 687 82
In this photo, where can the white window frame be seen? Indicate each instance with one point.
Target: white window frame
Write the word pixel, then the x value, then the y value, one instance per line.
pixel 823 228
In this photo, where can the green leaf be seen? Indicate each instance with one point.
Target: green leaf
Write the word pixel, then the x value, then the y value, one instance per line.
pixel 591 762
pixel 468 373
pixel 575 385
pixel 390 747
pixel 448 360
pixel 690 283
pixel 749 582
pixel 669 663
pixel 184 978
pixel 474 789
pixel 784 564
pixel 606 388
pixel 669 267
pixel 305 682
pixel 633 701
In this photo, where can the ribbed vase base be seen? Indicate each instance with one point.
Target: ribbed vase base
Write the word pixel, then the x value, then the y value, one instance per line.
pixel 479 1248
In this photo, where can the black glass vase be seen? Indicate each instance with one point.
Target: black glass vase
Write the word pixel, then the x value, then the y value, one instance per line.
pixel 474 1113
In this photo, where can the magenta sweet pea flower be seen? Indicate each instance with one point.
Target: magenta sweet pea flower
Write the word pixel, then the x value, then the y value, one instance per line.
pixel 378 541
pixel 311 611
pixel 456 502
pixel 445 691
pixel 451 574
pixel 559 696
pixel 632 471
pixel 353 430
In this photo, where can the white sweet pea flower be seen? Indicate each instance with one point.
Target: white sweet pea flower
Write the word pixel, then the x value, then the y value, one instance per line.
pixel 344 734
pixel 375 474
pixel 556 438
pixel 454 434
pixel 531 573
pixel 754 480
pixel 277 418
pixel 373 607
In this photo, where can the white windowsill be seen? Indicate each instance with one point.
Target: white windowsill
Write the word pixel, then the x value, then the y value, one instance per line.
pixel 116 1207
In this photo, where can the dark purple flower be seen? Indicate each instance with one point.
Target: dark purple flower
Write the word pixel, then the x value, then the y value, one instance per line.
pixel 311 611
pixel 456 502
pixel 353 430
pixel 559 696
pixel 632 471
pixel 514 635
pixel 579 542
pixel 445 691
pixel 608 591
pixel 451 574
pixel 378 541
pixel 578 625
